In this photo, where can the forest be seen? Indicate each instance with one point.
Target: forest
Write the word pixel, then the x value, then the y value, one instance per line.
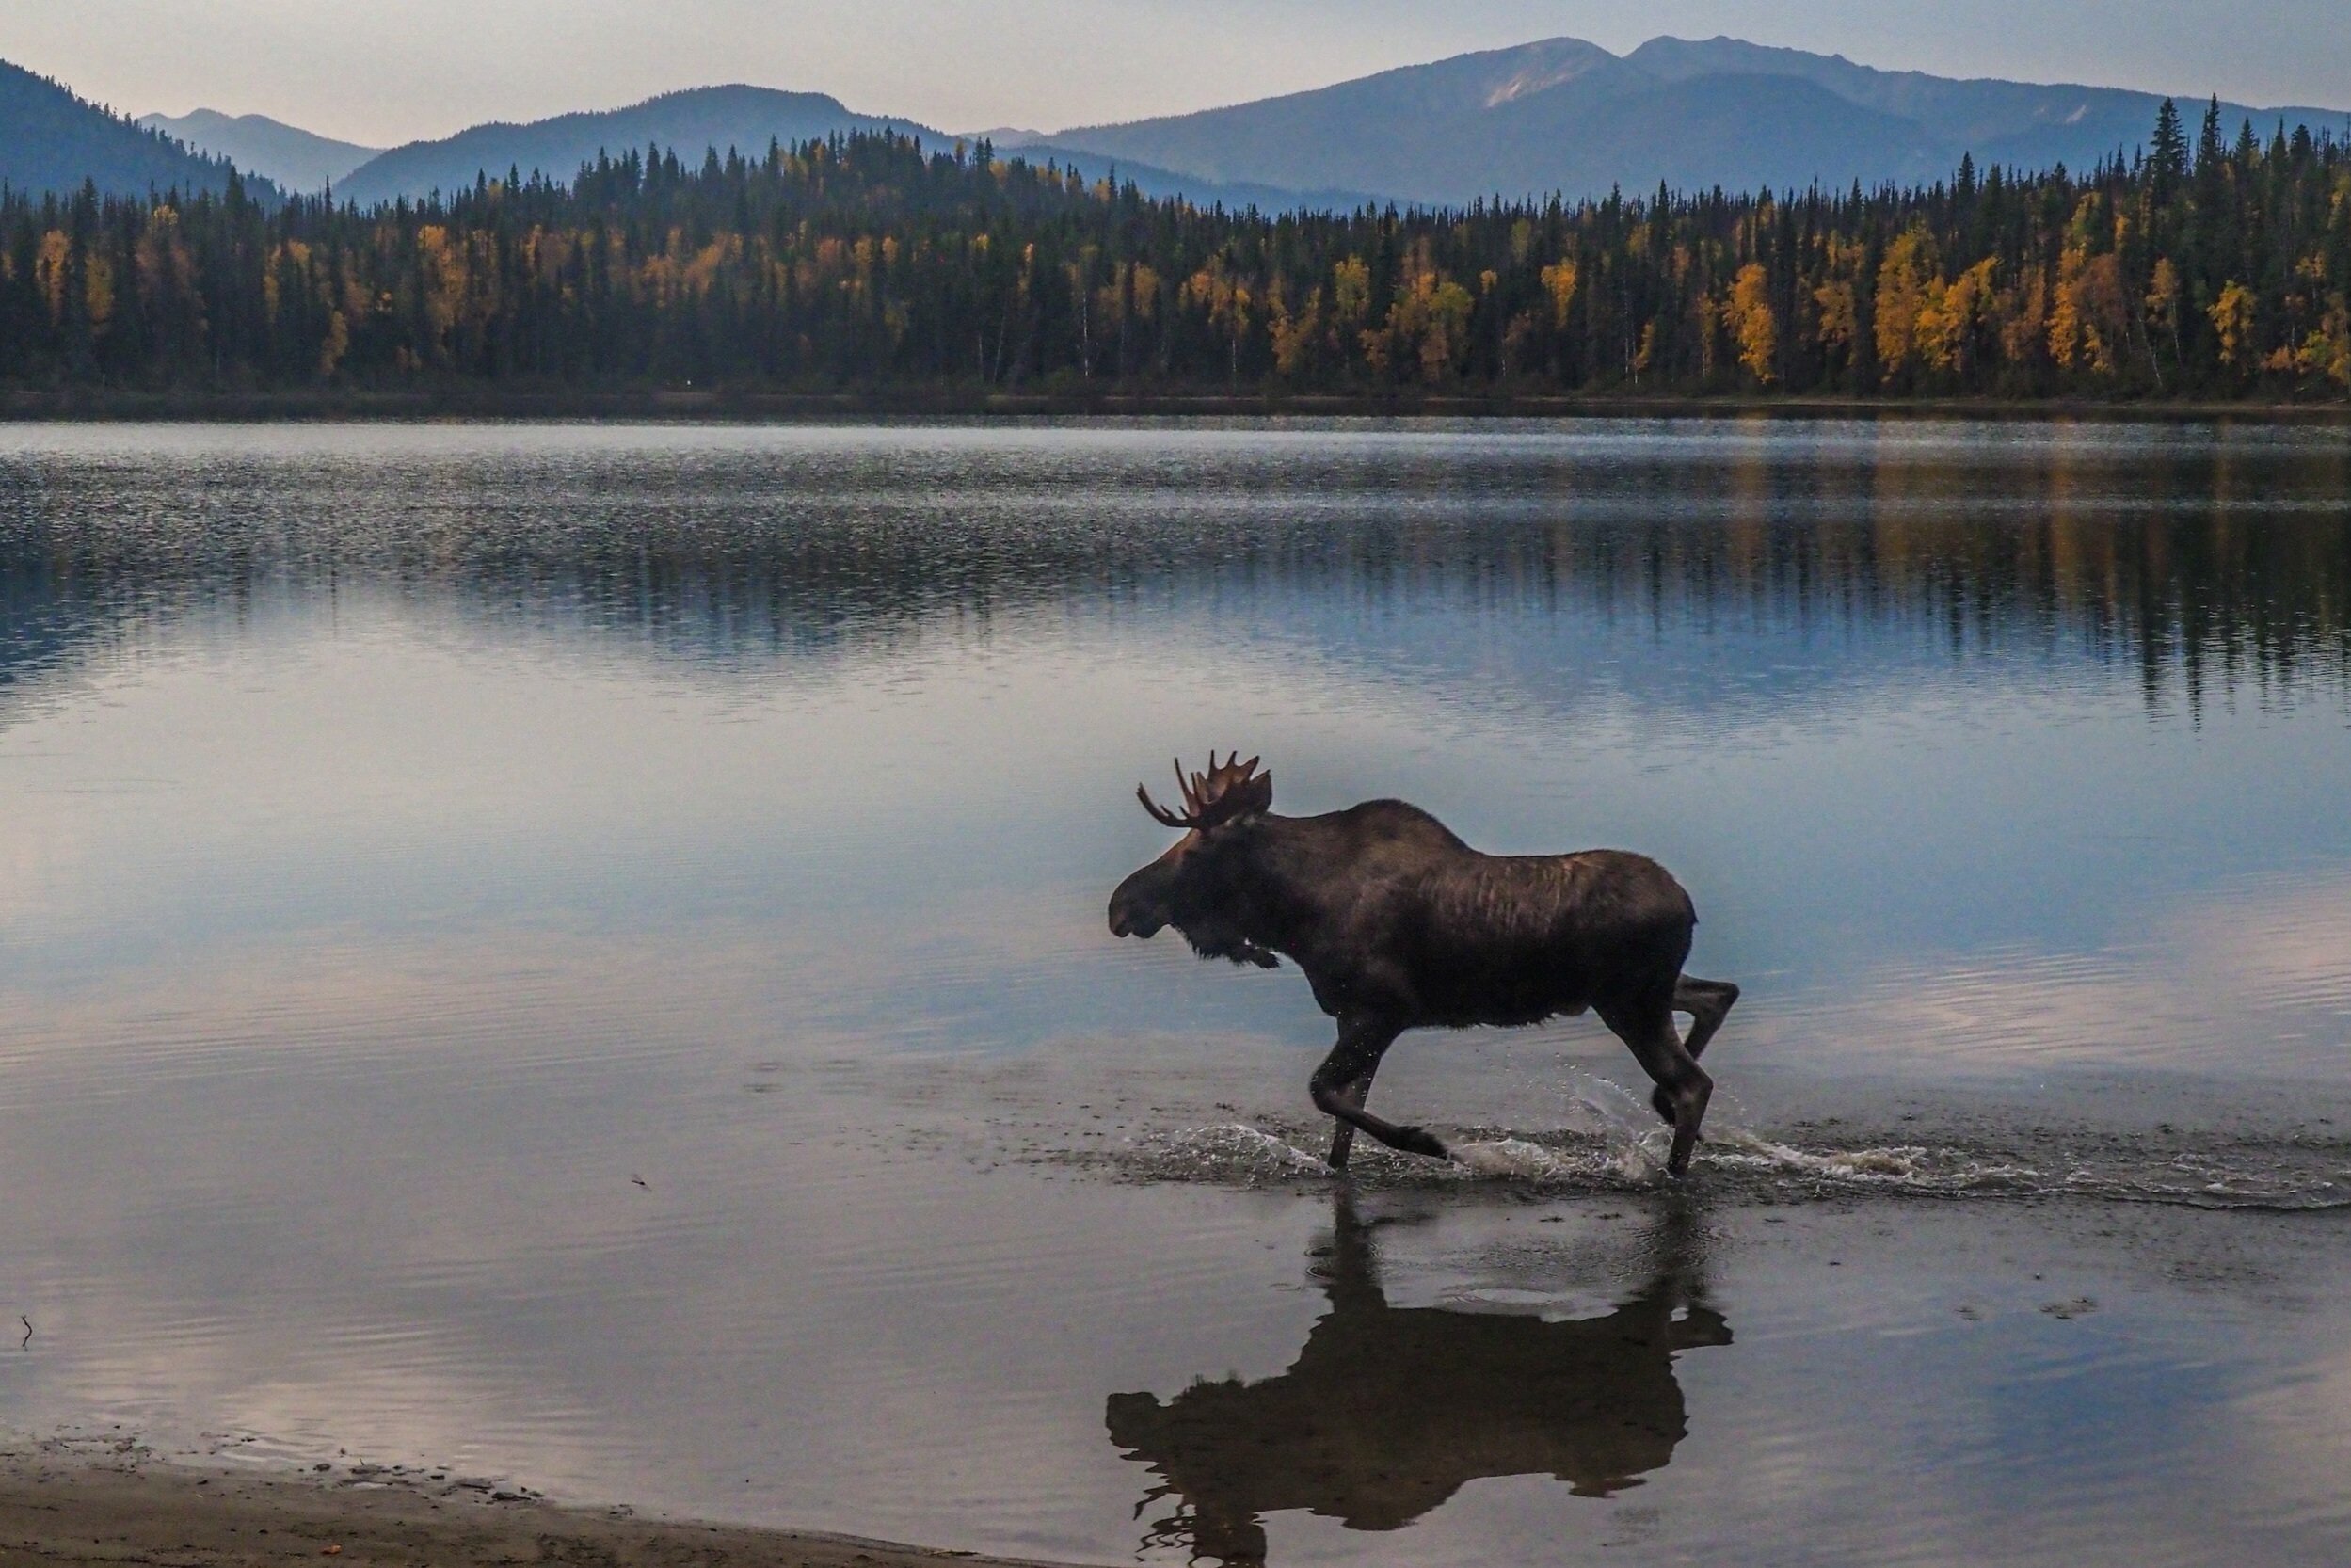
pixel 2206 268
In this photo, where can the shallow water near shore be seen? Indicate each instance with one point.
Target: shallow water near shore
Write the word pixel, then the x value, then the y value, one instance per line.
pixel 576 954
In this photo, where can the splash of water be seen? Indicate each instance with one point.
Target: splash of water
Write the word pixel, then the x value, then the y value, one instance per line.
pixel 1234 1149
pixel 1634 1162
pixel 1737 1146
pixel 1610 1140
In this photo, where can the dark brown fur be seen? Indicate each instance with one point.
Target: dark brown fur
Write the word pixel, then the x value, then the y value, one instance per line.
pixel 1397 924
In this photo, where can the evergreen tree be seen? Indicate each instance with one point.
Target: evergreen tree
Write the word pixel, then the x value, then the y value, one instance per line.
pixel 2166 154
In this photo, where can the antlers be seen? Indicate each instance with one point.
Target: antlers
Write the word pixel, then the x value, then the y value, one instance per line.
pixel 1233 790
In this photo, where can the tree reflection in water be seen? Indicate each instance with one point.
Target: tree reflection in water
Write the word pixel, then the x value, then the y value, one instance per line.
pixel 1388 1410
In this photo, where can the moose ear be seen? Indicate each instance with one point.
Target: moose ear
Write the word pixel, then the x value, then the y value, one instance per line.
pixel 1259 791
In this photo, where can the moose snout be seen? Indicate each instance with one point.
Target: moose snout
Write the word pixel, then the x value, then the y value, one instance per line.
pixel 1131 915
pixel 1124 922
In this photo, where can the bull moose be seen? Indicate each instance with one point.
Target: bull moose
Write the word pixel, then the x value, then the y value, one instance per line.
pixel 1397 924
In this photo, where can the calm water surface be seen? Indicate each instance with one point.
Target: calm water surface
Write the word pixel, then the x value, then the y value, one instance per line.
pixel 577 954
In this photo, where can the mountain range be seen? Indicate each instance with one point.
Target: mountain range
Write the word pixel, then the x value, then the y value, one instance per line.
pixel 746 119
pixel 1564 115
pixel 1558 115
pixel 298 159
pixel 688 122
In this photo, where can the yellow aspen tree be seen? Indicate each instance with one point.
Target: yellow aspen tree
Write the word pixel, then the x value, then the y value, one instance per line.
pixel 2232 321
pixel 1559 281
pixel 1840 315
pixel 2074 339
pixel 1445 328
pixel 1902 280
pixel 1296 335
pixel 1952 316
pixel 1753 323
pixel 2326 351
pixel 2107 310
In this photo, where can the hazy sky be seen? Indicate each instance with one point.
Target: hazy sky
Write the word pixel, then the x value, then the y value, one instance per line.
pixel 389 71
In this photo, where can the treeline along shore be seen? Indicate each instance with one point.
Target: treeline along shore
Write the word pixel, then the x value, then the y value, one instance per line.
pixel 869 266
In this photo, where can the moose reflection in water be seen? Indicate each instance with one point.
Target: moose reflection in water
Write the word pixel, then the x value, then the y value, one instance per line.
pixel 1388 1410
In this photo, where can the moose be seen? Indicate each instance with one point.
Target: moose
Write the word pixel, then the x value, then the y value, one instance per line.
pixel 1399 925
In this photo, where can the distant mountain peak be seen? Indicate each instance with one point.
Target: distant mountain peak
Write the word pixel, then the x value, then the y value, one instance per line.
pixel 1546 64
pixel 297 159
pixel 688 121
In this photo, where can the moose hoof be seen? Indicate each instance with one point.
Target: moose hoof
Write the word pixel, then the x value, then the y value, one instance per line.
pixel 1414 1140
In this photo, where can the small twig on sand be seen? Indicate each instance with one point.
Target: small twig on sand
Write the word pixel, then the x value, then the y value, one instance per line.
pixel 28 1331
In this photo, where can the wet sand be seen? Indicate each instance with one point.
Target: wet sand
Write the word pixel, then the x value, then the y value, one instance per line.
pixel 71 1509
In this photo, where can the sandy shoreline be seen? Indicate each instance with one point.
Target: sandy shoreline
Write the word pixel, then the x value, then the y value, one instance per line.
pixel 69 1507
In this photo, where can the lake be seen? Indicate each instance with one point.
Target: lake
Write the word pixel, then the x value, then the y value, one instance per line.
pixel 576 954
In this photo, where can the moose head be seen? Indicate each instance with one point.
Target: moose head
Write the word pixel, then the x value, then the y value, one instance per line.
pixel 1198 886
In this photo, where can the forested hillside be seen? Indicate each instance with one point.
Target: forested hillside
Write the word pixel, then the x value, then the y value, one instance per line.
pixel 52 140
pixel 2218 269
pixel 748 117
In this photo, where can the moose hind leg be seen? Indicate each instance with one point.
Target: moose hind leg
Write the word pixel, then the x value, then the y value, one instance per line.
pixel 1707 1003
pixel 1683 1086
pixel 1349 1067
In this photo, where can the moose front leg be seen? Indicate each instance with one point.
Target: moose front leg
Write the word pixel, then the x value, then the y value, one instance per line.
pixel 1343 1137
pixel 1344 1080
